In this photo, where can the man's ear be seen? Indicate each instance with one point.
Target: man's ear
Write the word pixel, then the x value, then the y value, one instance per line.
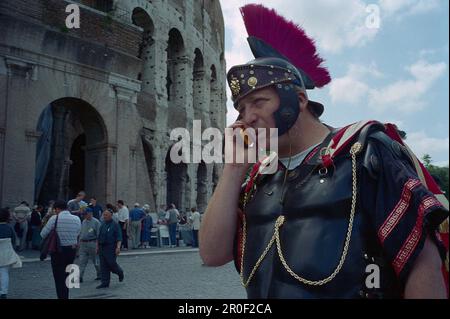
pixel 302 100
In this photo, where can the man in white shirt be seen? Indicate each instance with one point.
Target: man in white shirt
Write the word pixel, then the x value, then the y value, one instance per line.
pixel 195 220
pixel 123 217
pixel 68 228
pixel 22 214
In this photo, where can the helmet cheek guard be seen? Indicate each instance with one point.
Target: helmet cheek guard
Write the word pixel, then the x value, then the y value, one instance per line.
pixel 289 110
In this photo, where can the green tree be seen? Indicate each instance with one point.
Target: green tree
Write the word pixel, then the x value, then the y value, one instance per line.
pixel 426 160
pixel 442 173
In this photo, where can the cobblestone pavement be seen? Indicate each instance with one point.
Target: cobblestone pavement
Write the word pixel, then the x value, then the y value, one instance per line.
pixel 159 274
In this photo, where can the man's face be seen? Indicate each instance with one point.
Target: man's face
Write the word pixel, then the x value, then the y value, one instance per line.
pixel 89 216
pixel 93 202
pixel 257 108
pixel 107 216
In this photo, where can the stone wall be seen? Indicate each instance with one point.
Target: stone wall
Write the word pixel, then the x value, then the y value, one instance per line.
pixel 116 65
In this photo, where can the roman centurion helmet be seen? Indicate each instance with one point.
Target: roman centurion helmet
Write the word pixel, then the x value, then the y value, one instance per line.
pixel 285 57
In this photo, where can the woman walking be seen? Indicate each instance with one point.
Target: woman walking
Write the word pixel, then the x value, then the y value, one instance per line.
pixel 8 257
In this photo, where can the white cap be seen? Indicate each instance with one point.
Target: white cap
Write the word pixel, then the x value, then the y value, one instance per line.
pixel 136 205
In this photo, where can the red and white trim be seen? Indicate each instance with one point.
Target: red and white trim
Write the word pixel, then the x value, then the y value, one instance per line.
pixel 414 237
pixel 352 130
pixel 341 140
pixel 399 210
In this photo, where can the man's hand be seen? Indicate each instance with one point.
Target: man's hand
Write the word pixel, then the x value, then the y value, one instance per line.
pixel 117 251
pixel 248 143
pixel 219 221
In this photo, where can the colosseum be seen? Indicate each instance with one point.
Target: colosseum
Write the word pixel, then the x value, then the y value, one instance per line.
pixel 91 108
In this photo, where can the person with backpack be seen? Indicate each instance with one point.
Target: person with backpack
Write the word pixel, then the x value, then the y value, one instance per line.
pixel 172 218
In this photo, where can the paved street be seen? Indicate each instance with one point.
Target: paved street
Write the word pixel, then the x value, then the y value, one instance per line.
pixel 159 274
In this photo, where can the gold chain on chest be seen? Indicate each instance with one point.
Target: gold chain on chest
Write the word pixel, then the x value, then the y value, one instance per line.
pixel 354 151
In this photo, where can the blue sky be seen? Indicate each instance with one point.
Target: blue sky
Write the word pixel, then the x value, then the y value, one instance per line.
pixel 396 73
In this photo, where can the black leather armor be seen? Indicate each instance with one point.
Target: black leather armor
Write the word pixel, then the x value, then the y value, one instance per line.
pixel 316 210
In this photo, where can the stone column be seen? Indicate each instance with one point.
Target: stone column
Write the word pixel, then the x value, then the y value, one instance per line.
pixel 126 130
pixel 159 185
pixel 17 138
pixel 160 91
pixel 99 172
pixel 198 95
pixel 180 107
pixel 31 137
pixel 206 115
pixel 111 173
pixel 133 174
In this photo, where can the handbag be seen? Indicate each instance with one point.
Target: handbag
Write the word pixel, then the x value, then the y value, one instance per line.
pixel 51 244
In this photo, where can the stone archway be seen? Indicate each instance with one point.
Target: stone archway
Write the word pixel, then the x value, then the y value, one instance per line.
pixel 176 71
pixel 146 100
pixel 176 182
pixel 141 18
pixel 72 156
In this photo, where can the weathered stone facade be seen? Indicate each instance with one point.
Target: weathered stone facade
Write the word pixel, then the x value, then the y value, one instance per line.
pixel 115 87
